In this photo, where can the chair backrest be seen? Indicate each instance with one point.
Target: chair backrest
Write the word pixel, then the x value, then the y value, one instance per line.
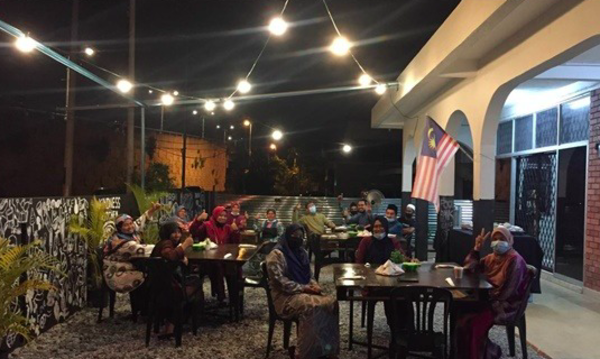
pixel 419 304
pixel 265 273
pixel 266 247
pixel 160 277
pixel 532 273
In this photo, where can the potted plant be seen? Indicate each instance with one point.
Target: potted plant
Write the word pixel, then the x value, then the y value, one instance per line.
pixel 15 263
pixel 397 257
pixel 94 231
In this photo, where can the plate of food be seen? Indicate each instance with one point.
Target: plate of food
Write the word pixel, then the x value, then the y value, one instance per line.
pixel 247 246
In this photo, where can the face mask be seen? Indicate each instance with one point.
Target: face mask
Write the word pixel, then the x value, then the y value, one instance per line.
pixel 312 209
pixel 379 235
pixel 500 247
pixel 353 212
pixel 295 242
pixel 235 213
pixel 390 219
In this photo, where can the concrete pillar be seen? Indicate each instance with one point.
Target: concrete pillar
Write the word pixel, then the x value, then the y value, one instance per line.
pixel 422 216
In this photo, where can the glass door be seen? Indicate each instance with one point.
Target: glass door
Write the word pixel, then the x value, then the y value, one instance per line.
pixel 570 212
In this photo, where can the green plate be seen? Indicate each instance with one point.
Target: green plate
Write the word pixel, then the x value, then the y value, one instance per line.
pixel 198 247
pixel 410 266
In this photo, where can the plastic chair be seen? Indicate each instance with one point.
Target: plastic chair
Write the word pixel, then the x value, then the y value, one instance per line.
pixel 256 281
pixel 519 320
pixel 419 305
pixel 105 291
pixel 274 317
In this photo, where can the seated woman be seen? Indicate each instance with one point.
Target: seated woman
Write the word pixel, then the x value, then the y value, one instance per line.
pixel 269 229
pixel 172 248
pixel 120 274
pixel 506 270
pixel 297 296
pixel 235 215
pixel 376 250
pixel 219 232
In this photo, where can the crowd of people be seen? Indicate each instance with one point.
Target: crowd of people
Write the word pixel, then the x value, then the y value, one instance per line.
pixel 295 292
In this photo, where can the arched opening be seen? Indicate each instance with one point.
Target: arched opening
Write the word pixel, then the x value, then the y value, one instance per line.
pixel 458 127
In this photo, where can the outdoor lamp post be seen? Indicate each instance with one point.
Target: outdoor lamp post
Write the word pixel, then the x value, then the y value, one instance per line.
pixel 248 124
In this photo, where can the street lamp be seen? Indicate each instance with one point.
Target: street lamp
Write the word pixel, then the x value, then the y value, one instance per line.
pixel 25 44
pixel 124 86
pixel 89 51
pixel 167 99
pixel 346 148
pixel 277 135
pixel 248 124
pixel 273 147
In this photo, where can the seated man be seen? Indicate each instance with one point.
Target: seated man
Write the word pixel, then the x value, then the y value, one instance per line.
pixel 362 217
pixel 391 214
pixel 506 270
pixel 409 225
pixel 312 220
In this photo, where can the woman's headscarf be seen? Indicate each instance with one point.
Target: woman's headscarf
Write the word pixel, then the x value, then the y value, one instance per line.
pixel 380 249
pixel 215 214
pixel 298 265
pixel 218 232
pixel 505 233
pixel 119 226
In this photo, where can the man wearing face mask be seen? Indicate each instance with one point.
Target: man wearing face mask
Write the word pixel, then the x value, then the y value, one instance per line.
pixel 391 214
pixel 314 221
pixel 409 225
pixel 506 270
pixel 362 217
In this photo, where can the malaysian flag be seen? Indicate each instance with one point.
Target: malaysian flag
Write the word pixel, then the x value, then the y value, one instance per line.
pixel 438 149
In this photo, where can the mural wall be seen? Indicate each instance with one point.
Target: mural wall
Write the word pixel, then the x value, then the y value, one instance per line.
pixel 46 220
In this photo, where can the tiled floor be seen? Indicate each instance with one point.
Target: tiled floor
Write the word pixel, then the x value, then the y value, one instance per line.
pixel 564 324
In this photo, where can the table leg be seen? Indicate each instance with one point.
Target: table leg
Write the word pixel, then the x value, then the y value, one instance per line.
pixel 233 286
pixel 351 324
pixel 370 318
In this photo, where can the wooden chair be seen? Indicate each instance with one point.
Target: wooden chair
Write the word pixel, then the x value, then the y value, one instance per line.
pixel 520 321
pixel 418 304
pixel 274 317
pixel 160 274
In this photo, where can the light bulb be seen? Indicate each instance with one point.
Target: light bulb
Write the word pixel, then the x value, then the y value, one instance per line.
pixel 364 80
pixel 380 89
pixel 228 105
pixel 167 99
pixel 273 146
pixel 229 138
pixel 244 86
pixel 175 93
pixel 247 123
pixel 195 112
pixel 218 126
pixel 278 26
pixel 25 44
pixel 89 51
pixel 232 127
pixel 124 86
pixel 209 105
pixel 150 91
pixel 277 135
pixel 340 46
pixel 347 148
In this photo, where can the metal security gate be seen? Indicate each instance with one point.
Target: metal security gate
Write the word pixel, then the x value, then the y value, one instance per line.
pixel 535 203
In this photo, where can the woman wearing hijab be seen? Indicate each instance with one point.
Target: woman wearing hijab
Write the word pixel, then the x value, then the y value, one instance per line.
pixel 235 215
pixel 506 270
pixel 377 249
pixel 219 232
pixel 120 274
pixel 172 247
pixel 297 296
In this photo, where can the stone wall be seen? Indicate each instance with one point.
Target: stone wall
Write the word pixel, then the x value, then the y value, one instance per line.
pixel 592 240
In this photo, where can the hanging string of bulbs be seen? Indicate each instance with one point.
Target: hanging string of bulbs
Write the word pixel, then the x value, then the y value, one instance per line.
pixel 277 27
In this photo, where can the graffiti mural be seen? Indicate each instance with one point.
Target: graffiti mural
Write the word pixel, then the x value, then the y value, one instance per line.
pixel 47 220
pixel 445 222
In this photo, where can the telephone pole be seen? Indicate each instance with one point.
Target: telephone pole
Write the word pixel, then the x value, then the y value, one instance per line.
pixel 70 104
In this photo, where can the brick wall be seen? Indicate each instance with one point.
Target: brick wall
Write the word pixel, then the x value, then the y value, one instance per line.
pixel 592 240
pixel 206 163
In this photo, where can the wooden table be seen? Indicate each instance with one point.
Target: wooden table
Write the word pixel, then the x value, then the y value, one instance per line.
pixel 426 275
pixel 232 266
pixel 322 245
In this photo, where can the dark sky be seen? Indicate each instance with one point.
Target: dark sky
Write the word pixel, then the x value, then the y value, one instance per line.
pixel 203 47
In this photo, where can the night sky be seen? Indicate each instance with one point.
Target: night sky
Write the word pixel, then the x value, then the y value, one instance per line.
pixel 202 47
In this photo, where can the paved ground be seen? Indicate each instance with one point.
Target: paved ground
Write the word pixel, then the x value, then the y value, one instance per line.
pixel 82 337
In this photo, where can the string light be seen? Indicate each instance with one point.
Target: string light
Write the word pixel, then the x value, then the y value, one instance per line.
pixel 347 148
pixel 380 89
pixel 273 146
pixel 210 105
pixel 232 127
pixel 244 86
pixel 25 44
pixel 218 126
pixel 278 26
pixel 150 91
pixel 229 138
pixel 212 113
pixel 340 46
pixel 228 105
pixel 124 86
pixel 277 135
pixel 365 80
pixel 175 93
pixel 195 112
pixel 247 123
pixel 89 51
pixel 167 99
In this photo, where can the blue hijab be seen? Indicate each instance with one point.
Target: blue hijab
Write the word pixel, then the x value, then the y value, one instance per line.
pixel 298 265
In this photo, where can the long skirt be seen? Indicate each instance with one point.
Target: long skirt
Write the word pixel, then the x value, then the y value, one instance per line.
pixel 472 327
pixel 318 327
